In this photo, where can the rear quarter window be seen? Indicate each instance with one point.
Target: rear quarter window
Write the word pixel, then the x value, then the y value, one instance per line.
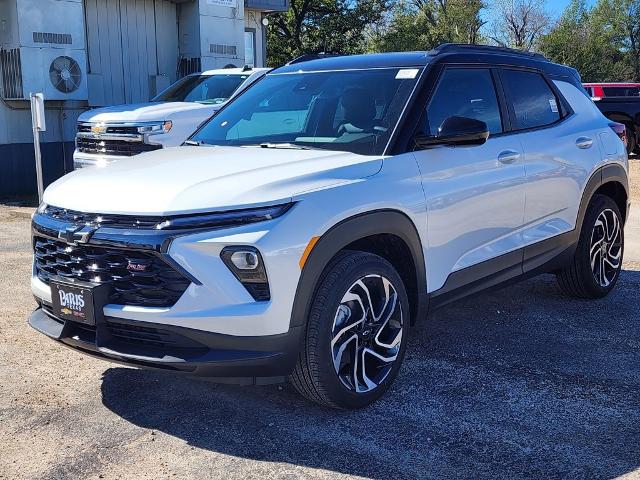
pixel 533 102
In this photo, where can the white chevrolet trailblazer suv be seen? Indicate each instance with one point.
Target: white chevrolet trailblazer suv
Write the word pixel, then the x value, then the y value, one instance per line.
pixel 318 216
pixel 122 131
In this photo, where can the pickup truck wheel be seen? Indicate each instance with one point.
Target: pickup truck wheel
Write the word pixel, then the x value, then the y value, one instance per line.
pixel 597 262
pixel 635 148
pixel 356 333
pixel 632 144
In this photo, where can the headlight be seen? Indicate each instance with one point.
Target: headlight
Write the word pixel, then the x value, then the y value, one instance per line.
pixel 224 219
pixel 156 128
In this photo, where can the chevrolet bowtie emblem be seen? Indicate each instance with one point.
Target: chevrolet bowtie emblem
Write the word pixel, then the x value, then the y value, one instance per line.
pixel 98 129
pixel 75 235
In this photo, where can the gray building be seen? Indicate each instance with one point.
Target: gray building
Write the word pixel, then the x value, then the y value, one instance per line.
pixel 90 53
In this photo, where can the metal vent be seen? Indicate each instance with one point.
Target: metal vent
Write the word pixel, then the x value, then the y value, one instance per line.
pixel 52 38
pixel 11 74
pixel 219 49
pixel 65 74
pixel 188 66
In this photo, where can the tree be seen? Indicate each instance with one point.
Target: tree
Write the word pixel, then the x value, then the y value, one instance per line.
pixel 313 26
pixel 519 23
pixel 624 18
pixel 424 24
pixel 595 41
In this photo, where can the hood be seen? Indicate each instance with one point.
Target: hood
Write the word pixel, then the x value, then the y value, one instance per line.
pixel 193 179
pixel 146 112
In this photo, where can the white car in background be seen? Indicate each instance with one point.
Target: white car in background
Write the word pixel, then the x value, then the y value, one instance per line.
pixel 122 131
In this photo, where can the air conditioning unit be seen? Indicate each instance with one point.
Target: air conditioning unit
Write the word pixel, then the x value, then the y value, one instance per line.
pixel 43 53
pixel 61 74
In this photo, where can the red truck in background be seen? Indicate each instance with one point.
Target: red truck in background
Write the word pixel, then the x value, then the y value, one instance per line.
pixel 620 102
pixel 601 90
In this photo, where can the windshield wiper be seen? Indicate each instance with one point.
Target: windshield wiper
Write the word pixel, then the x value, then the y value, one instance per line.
pixel 293 146
pixel 194 143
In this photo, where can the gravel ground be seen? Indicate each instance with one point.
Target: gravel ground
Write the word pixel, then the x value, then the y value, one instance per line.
pixel 518 383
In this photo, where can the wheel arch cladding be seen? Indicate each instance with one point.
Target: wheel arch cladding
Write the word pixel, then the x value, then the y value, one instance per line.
pixel 610 180
pixel 387 233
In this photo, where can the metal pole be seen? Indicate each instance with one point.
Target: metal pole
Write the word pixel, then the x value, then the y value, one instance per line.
pixel 36 146
pixel 37 120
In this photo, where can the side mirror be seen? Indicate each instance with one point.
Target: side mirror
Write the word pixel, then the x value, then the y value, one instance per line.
pixel 456 131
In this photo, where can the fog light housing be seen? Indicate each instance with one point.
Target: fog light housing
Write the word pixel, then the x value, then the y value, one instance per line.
pixel 247 266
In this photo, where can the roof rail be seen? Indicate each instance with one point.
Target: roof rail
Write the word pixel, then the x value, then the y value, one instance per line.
pixel 312 56
pixel 466 47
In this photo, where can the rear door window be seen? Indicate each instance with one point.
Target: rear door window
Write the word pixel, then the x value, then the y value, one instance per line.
pixel 534 103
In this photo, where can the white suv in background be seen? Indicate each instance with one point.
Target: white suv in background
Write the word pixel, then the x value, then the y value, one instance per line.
pixel 122 131
pixel 318 216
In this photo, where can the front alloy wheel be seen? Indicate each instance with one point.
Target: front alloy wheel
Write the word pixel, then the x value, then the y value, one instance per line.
pixel 367 333
pixel 356 332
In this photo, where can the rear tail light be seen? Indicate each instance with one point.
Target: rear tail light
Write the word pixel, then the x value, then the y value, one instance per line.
pixel 620 130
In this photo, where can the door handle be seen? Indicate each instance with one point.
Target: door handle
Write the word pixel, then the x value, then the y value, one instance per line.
pixel 508 156
pixel 584 142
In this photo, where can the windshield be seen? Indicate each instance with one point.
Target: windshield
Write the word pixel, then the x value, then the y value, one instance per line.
pixel 351 110
pixel 202 88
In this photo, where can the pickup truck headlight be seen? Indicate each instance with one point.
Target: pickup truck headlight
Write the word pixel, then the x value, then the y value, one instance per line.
pixel 224 219
pixel 154 129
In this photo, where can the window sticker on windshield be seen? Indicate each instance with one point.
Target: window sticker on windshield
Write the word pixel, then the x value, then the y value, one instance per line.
pixel 407 74
pixel 554 105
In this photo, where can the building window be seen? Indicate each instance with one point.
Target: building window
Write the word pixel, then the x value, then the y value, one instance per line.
pixel 250 47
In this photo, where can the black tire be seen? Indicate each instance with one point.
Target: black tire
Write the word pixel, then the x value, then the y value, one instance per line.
pixel 315 376
pixel 579 279
pixel 632 144
pixel 635 148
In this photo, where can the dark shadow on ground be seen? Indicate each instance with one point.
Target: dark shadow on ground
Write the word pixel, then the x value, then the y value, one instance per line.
pixel 521 382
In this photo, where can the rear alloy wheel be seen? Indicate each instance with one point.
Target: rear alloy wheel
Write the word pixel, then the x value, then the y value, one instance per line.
pixel 356 333
pixel 606 248
pixel 597 262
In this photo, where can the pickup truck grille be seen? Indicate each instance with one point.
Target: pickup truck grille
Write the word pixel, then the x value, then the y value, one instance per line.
pixel 113 147
pixel 136 278
pixel 111 130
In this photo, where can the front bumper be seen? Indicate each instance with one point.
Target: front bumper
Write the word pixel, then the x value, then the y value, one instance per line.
pixel 215 329
pixel 226 358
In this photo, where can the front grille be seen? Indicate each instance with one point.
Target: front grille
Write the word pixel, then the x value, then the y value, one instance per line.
pixel 154 283
pixel 111 130
pixel 113 147
pixel 101 219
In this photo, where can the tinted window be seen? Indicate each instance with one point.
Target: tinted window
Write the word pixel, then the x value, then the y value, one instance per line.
pixel 534 103
pixel 465 93
pixel 621 91
pixel 202 88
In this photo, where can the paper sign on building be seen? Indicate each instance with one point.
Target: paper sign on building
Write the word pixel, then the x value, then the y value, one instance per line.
pixel 222 3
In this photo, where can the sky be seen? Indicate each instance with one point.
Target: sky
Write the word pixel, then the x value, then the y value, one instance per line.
pixel 555 7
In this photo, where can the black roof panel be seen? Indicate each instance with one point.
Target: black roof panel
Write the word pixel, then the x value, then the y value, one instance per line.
pixel 371 60
pixel 453 53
